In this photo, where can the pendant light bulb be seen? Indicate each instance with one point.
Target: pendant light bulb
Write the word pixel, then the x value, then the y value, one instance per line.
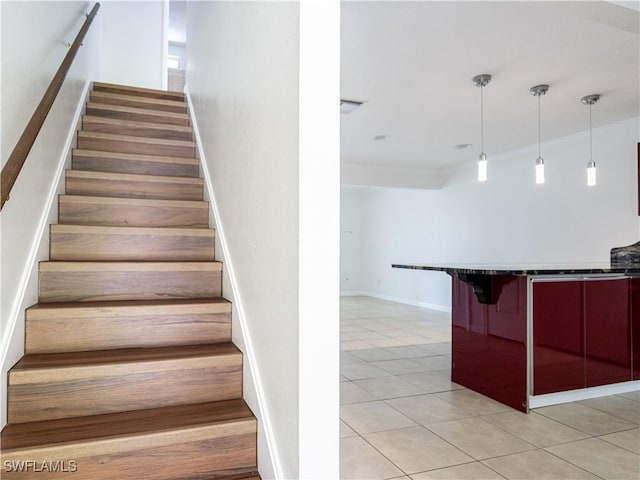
pixel 539 170
pixel 591 173
pixel 538 91
pixel 482 167
pixel 591 165
pixel 482 81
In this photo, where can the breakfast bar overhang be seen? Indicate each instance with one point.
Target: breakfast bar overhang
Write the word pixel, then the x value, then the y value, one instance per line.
pixel 530 336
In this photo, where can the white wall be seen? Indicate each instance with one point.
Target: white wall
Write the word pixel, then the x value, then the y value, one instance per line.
pixel 33 46
pixel 134 43
pixel 351 241
pixel 249 80
pixel 508 219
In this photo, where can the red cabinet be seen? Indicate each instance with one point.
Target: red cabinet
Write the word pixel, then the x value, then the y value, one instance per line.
pixel 582 333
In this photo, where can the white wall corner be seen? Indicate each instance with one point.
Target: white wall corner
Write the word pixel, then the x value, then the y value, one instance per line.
pixel 407 301
pixel 12 344
pixel 260 408
pixel 391 176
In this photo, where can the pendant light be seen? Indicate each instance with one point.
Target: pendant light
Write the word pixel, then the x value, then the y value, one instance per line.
pixel 482 81
pixel 591 165
pixel 538 91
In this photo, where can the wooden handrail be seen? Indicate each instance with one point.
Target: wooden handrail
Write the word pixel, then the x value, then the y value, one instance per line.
pixel 19 154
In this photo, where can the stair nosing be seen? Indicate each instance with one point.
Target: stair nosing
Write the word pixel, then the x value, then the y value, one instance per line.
pixel 141 99
pixel 133 364
pixel 132 88
pixel 62 228
pixel 103 306
pixel 133 177
pixel 82 152
pixel 80 266
pixel 157 202
pixel 137 124
pixel 133 139
pixel 134 110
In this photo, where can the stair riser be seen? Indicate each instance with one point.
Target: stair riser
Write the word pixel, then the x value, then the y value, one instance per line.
pixel 123 247
pixel 166 134
pixel 104 392
pixel 79 213
pixel 137 103
pixel 108 285
pixel 123 146
pixel 104 331
pixel 150 116
pixel 140 92
pixel 117 165
pixel 228 455
pixel 133 189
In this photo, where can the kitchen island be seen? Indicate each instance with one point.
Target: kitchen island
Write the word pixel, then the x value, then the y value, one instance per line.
pixel 530 336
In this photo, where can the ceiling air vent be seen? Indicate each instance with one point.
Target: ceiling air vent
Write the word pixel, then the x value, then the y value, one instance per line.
pixel 348 106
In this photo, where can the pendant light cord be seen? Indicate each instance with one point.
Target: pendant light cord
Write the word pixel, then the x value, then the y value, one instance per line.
pixel 539 136
pixel 590 135
pixel 481 119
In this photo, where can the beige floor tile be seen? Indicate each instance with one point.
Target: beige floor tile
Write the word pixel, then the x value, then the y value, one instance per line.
pixel 411 351
pixel 478 438
pixel 346 430
pixel 352 393
pixel 473 402
pixel 600 458
pixel 537 465
pixel 366 336
pixel 628 439
pixel 373 417
pixel 433 382
pixel 355 345
pixel 441 348
pixel 389 387
pixel 386 342
pixel 616 406
pixel 416 449
pixel 375 355
pixel 631 395
pixel 400 367
pixel 348 357
pixel 535 429
pixel 360 461
pixel 431 364
pixel 585 419
pixel 415 340
pixel 360 370
pixel 467 471
pixel 426 409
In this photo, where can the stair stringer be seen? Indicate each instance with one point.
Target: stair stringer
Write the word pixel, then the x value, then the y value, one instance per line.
pixel 13 337
pixel 254 394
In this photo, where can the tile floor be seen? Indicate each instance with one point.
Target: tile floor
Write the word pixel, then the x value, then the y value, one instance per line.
pixel 402 417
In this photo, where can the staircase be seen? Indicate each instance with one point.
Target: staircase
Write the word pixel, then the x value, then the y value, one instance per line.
pixel 129 371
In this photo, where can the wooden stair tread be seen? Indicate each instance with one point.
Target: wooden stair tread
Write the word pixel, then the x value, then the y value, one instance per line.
pixel 48 361
pixel 146 100
pixel 134 123
pixel 126 138
pixel 134 156
pixel 44 309
pixel 132 177
pixel 110 230
pixel 125 424
pixel 133 202
pixel 142 111
pixel 48 266
pixel 104 86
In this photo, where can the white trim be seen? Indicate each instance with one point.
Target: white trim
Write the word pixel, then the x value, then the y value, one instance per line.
pixel 537 401
pixel 248 354
pixel 406 301
pixel 43 223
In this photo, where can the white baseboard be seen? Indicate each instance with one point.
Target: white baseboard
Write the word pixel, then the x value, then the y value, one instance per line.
pixel 405 301
pixel 248 354
pixel 537 401
pixel 43 223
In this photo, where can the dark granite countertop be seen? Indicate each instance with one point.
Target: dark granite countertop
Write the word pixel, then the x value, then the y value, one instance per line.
pixel 534 269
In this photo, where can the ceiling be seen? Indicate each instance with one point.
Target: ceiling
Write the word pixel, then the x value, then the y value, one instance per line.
pixel 412 62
